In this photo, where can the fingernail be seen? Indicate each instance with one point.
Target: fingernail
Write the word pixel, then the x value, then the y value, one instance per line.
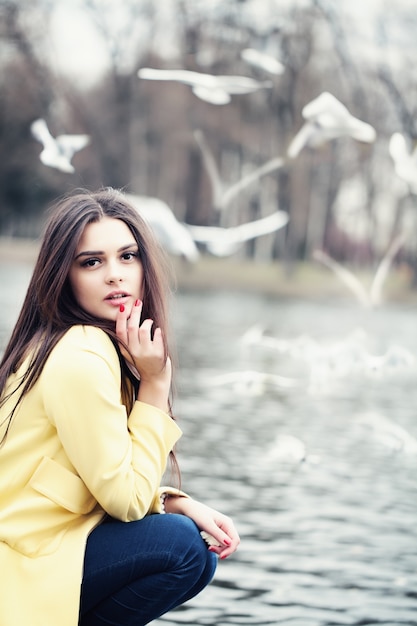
pixel 121 308
pixel 138 302
pixel 228 542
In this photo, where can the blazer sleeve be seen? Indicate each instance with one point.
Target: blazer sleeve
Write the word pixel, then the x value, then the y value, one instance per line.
pixel 121 458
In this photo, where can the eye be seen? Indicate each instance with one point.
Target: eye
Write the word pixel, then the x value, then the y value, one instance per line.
pixel 128 256
pixel 90 262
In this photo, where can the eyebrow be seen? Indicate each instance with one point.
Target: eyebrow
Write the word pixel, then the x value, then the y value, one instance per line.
pixel 101 252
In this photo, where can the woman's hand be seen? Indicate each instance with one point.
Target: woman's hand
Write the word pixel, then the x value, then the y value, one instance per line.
pixel 146 354
pixel 209 520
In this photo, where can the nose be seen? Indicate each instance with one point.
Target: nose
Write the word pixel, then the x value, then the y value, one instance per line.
pixel 114 274
pixel 113 280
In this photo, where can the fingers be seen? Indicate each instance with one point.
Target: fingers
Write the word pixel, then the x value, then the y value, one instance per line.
pixel 133 320
pixel 134 334
pixel 144 332
pixel 129 329
pixel 121 324
pixel 229 545
pixel 224 539
pixel 217 530
pixel 139 344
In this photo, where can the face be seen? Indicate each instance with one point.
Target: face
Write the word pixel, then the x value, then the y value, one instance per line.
pixel 106 271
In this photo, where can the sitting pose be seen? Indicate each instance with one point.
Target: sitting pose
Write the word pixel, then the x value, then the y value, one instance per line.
pixel 86 430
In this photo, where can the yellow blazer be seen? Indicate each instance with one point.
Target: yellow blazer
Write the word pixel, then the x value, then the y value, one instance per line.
pixel 72 454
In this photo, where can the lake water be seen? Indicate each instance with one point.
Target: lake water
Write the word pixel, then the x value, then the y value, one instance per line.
pixel 315 460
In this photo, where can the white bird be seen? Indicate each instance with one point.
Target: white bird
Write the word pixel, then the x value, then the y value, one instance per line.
pixel 388 432
pixel 255 337
pixel 251 382
pixel 286 449
pixel 171 234
pixel 405 161
pixel 396 359
pixel 287 454
pixel 263 61
pixel 326 119
pixel 57 151
pixel 222 196
pixel 368 298
pixel 214 89
pixel 226 241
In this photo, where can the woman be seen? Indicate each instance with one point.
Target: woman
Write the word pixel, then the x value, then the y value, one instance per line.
pixel 86 431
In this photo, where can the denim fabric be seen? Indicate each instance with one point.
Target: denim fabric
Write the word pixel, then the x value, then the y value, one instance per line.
pixel 135 572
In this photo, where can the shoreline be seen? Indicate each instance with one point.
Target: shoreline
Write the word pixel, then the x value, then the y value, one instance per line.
pixel 308 280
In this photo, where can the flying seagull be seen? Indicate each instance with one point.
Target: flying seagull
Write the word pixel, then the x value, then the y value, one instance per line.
pixel 388 432
pixel 264 61
pixel 326 119
pixel 222 196
pixel 171 234
pixel 286 449
pixel 368 298
pixel 214 89
pixel 405 161
pixel 57 151
pixel 251 382
pixel 226 241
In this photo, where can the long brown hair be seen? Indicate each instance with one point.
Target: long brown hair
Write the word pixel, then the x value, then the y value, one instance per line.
pixel 50 309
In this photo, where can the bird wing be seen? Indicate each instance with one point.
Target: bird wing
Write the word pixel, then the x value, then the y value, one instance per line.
pixel 330 113
pixel 263 226
pixel 398 147
pixel 213 95
pixel 262 60
pixel 361 131
pixel 211 167
pixel 205 234
pixel 240 84
pixel 40 131
pixel 324 103
pixel 226 241
pixel 52 158
pixel 69 144
pixel 213 89
pixel 238 234
pixel 301 139
pixel 266 168
pixel 219 241
pixel 405 162
pixel 222 199
pixel 171 234
pixel 248 376
pixel 182 76
pixel 383 269
pixel 345 276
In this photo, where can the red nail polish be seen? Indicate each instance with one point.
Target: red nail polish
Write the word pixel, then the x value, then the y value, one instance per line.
pixel 121 308
pixel 137 302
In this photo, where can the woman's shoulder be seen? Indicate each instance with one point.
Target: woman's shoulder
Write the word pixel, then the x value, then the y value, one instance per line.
pixel 82 342
pixel 84 356
pixel 86 335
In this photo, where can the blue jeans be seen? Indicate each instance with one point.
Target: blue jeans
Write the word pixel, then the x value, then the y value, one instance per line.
pixel 135 572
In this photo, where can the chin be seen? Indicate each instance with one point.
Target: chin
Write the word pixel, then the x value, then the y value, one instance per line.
pixel 108 316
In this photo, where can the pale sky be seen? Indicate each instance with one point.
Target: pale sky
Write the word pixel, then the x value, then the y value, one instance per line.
pixel 79 51
pixel 77 48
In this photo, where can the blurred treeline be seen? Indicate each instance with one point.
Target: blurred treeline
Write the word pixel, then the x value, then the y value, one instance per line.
pixel 343 197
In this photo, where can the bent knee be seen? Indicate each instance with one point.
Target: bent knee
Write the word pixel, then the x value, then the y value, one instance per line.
pixel 183 531
pixel 189 545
